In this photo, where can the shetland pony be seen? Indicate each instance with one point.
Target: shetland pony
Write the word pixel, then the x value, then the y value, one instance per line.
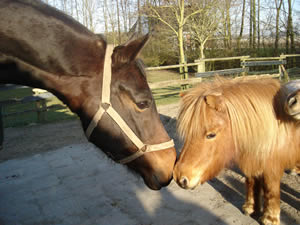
pixel 241 121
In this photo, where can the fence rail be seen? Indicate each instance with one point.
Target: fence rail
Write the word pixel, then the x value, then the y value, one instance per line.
pixel 201 61
pixel 244 61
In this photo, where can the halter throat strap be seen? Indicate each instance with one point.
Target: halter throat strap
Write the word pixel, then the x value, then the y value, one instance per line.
pixel 106 107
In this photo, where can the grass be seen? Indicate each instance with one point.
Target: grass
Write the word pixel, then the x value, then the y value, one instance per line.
pixel 161 75
pixel 57 111
pixel 165 95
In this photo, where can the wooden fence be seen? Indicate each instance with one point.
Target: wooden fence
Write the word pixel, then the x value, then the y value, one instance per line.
pixel 245 61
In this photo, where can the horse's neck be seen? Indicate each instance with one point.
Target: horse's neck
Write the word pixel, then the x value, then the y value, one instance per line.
pixel 72 90
pixel 48 50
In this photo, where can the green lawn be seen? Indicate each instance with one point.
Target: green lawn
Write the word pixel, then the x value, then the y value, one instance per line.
pixel 165 95
pixel 57 111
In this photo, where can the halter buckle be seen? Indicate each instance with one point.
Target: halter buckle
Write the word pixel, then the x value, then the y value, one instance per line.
pixel 105 105
pixel 144 148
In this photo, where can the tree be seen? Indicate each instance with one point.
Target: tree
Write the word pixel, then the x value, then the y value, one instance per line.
pixel 278 4
pixel 258 24
pixel 204 25
pixel 172 14
pixel 254 24
pixel 289 31
pixel 242 25
pixel 251 25
pixel 226 19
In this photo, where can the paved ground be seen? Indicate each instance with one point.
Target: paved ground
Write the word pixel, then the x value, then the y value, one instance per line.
pixel 59 178
pixel 78 185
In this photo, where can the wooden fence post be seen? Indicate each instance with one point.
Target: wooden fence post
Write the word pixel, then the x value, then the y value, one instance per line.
pixel 200 66
pixel 281 74
pixel 41 110
pixel 243 59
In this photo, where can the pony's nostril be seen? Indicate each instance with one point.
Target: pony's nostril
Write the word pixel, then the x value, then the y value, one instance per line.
pixel 184 182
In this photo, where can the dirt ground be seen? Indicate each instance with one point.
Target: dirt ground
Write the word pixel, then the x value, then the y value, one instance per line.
pixel 29 140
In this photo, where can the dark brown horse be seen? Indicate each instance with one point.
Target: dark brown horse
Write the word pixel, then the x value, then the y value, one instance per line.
pixel 42 47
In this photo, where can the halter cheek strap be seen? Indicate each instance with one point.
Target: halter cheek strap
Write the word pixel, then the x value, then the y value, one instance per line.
pixel 106 107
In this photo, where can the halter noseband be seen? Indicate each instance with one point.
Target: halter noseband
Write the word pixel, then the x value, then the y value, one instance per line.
pixel 106 107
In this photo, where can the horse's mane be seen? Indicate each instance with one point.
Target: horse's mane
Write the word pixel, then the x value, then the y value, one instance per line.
pixel 252 109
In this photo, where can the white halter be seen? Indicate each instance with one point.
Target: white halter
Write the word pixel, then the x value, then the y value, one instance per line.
pixel 107 107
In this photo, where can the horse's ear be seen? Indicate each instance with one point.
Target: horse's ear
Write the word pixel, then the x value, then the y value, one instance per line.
pixel 126 53
pixel 215 102
pixel 133 47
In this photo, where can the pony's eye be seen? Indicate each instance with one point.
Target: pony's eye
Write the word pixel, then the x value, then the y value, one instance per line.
pixel 143 104
pixel 211 136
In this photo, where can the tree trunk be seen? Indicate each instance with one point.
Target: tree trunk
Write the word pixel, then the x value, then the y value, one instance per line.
pixel 290 28
pixel 225 30
pixel 242 26
pixel 139 18
pixel 258 24
pixel 254 24
pixel 184 70
pixel 277 25
pixel 118 22
pixel 228 22
pixel 202 56
pixel 250 27
pixel 105 18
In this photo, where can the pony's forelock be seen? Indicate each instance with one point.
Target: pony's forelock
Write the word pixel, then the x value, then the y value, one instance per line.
pixel 191 117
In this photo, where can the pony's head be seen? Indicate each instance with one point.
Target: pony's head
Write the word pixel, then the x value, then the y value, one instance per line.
pixel 221 120
pixel 204 123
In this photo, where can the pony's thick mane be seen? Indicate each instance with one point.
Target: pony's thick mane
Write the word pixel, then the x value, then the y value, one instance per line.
pixel 252 108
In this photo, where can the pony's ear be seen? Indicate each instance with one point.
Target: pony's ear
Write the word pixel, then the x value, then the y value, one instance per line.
pixel 126 53
pixel 215 102
pixel 182 94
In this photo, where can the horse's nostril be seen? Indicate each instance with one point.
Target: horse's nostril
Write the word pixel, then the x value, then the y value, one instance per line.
pixel 184 182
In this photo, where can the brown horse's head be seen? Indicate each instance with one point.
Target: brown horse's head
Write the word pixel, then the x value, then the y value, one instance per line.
pixel 62 56
pixel 204 124
pixel 132 99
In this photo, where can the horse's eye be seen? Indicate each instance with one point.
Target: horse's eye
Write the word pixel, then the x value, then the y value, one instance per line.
pixel 211 136
pixel 143 104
